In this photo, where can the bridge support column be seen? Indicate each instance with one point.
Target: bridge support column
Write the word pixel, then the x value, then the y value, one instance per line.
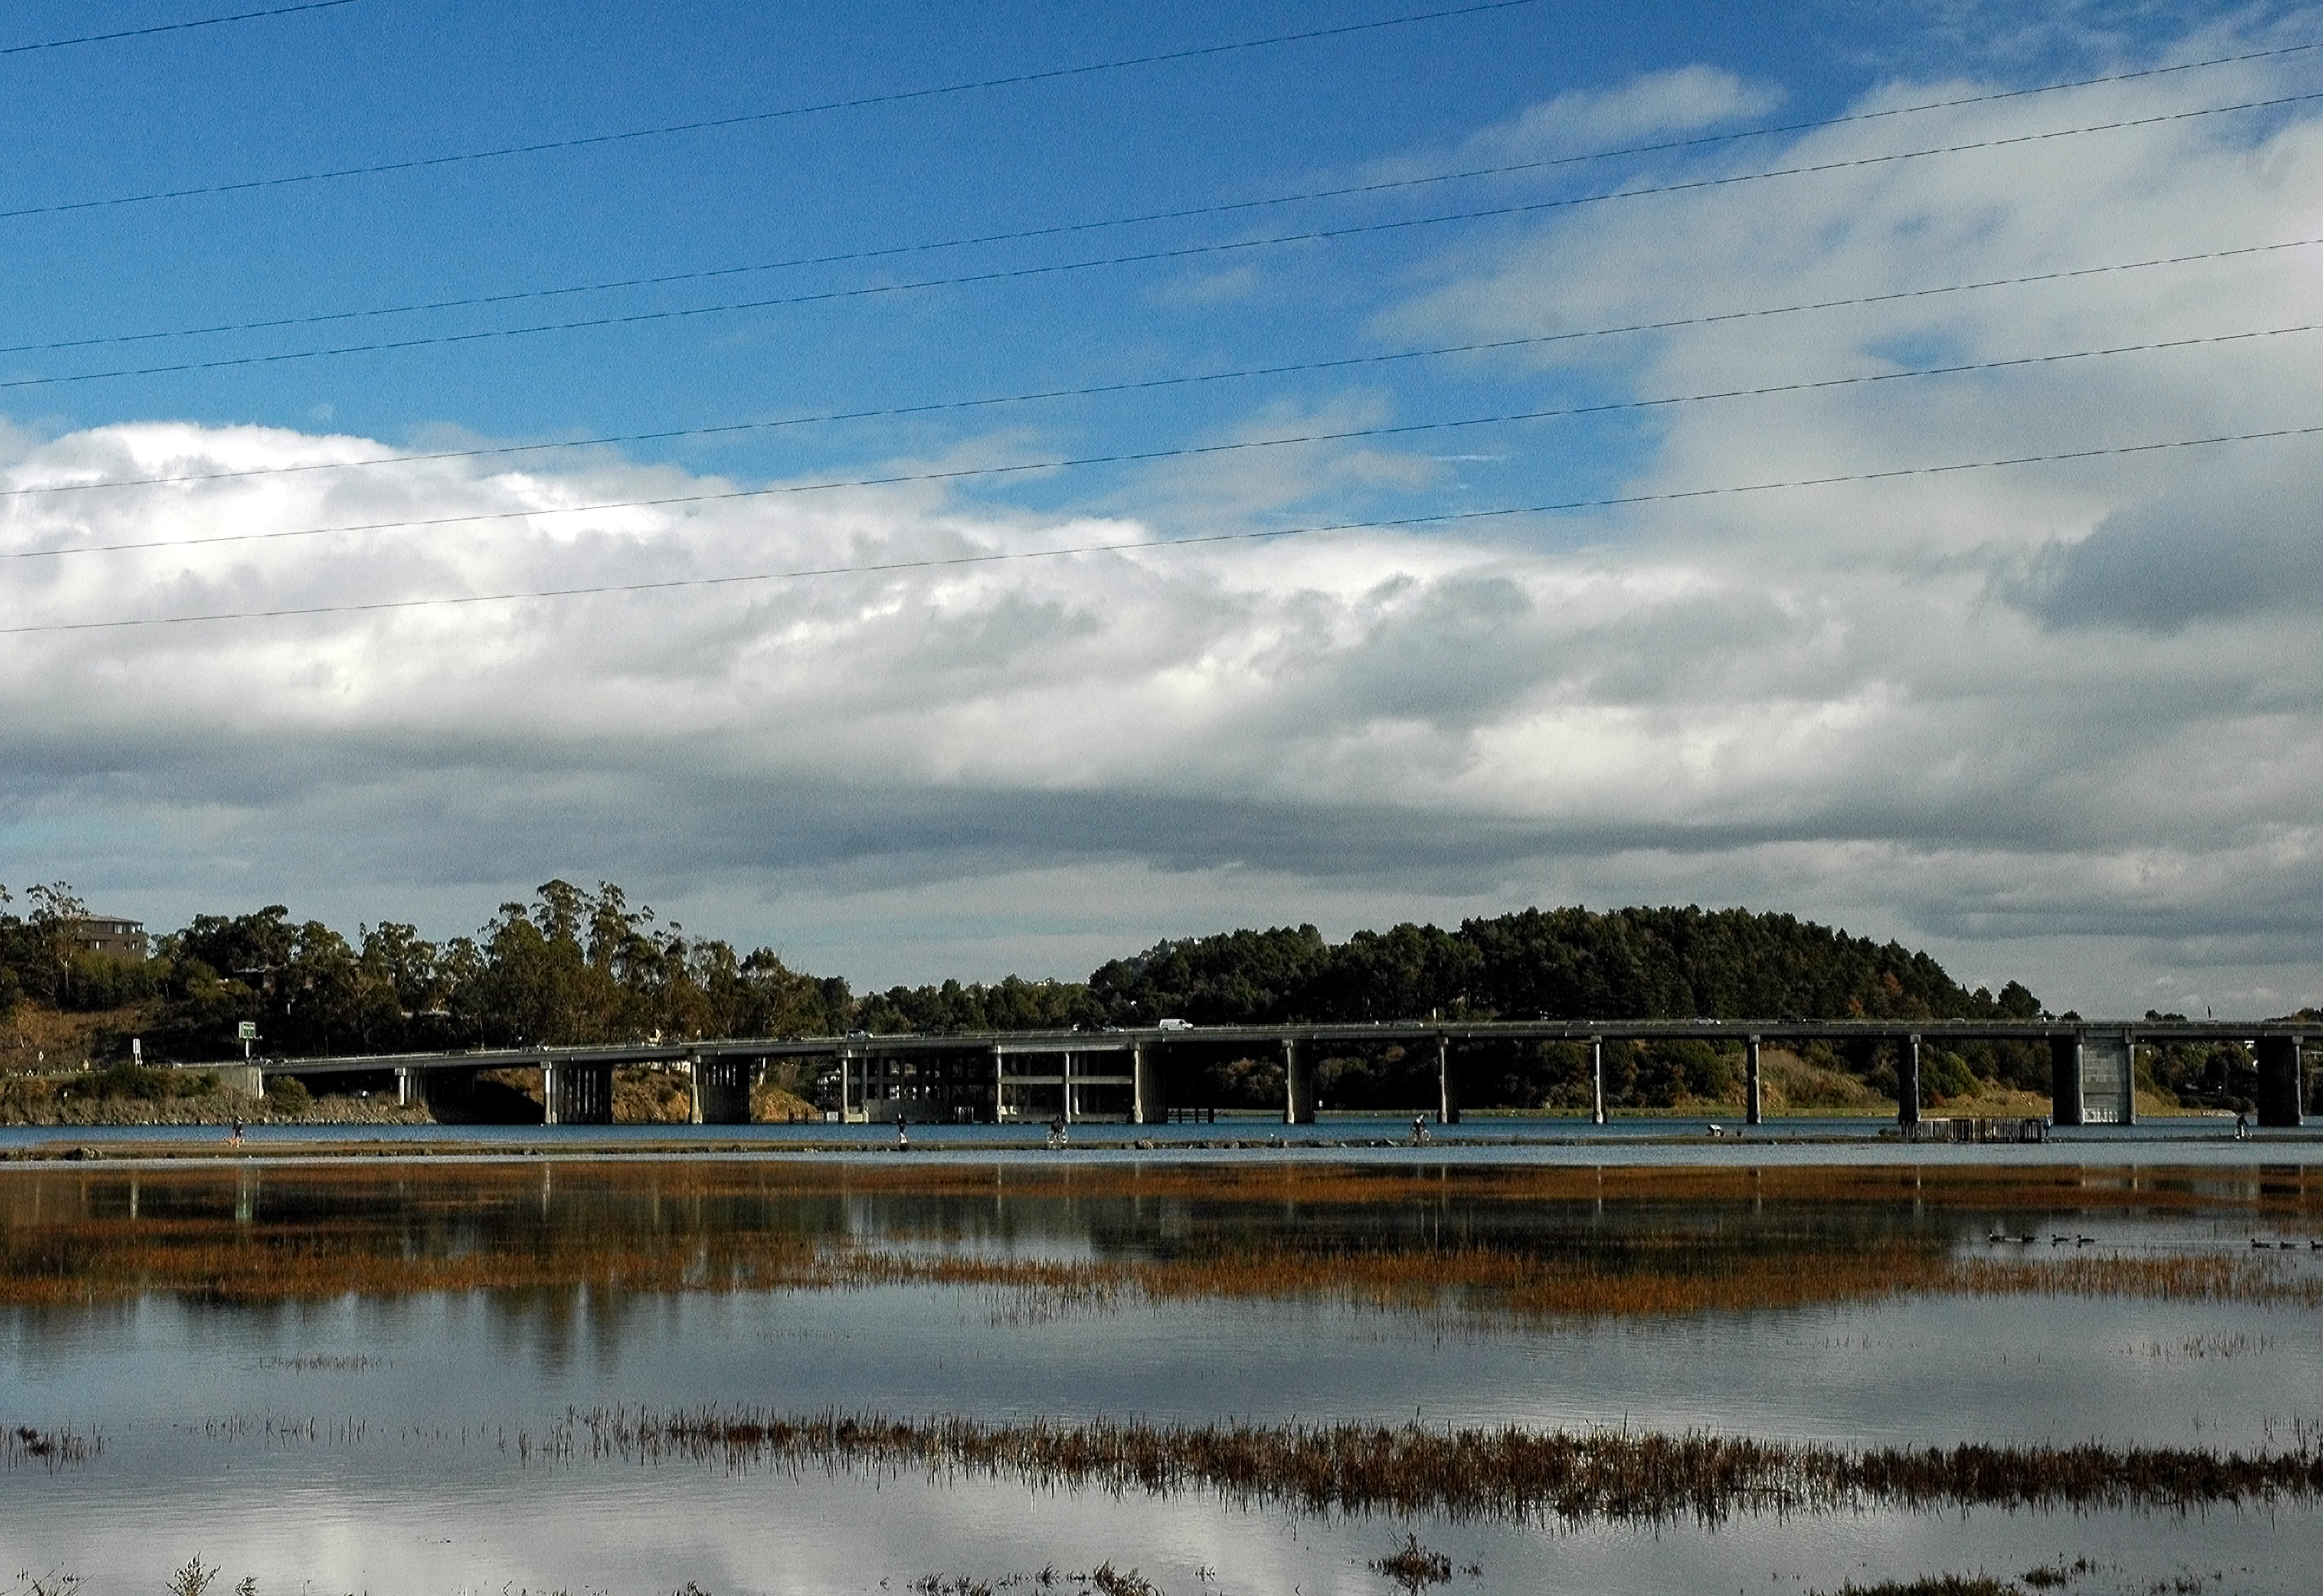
pixel 721 1091
pixel 1447 1098
pixel 1750 1108
pixel 574 1092
pixel 411 1087
pixel 1297 1084
pixel 2105 1078
pixel 2281 1082
pixel 1596 1080
pixel 1149 1102
pixel 2065 1081
pixel 1908 1081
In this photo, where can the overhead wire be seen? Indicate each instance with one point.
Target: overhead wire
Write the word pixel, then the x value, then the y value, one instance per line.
pixel 1185 212
pixel 1148 383
pixel 863 102
pixel 1130 545
pixel 1182 452
pixel 856 103
pixel 1046 268
pixel 186 26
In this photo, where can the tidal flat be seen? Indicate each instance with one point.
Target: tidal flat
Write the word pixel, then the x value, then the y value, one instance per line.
pixel 798 1374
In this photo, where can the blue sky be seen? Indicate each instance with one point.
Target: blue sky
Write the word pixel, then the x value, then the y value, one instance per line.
pixel 2055 721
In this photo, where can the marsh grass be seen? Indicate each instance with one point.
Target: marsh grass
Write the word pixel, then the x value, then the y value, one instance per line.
pixel 101 1260
pixel 2282 1195
pixel 1645 1242
pixel 1622 1476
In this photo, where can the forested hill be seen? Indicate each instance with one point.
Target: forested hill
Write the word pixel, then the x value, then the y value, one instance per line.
pixel 575 966
pixel 1555 963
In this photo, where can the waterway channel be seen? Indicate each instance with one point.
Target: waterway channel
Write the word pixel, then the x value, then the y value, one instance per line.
pixel 332 1378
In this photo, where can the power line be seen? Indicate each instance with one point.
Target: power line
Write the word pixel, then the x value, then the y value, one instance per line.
pixel 206 22
pixel 1144 257
pixel 858 103
pixel 1148 383
pixel 1228 208
pixel 1183 451
pixel 943 562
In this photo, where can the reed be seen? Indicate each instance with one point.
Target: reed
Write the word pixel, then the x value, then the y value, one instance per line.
pixel 22 1446
pixel 1619 1476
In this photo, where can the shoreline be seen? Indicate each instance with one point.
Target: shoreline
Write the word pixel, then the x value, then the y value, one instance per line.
pixel 641 1143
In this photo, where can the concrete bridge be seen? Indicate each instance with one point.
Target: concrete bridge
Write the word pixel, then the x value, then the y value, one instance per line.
pixel 1124 1075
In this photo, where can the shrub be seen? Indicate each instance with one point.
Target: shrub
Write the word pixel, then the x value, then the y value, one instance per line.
pixel 1945 1075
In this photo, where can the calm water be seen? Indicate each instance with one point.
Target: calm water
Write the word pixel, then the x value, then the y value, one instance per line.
pixel 378 1443
pixel 1490 1138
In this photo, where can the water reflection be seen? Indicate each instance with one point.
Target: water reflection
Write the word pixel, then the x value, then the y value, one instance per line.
pixel 589 1285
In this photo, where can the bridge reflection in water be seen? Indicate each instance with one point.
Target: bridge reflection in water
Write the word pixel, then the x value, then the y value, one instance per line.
pixel 1127 1075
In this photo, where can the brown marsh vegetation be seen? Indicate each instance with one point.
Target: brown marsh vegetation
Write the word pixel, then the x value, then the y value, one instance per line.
pixel 1512 1474
pixel 1517 1241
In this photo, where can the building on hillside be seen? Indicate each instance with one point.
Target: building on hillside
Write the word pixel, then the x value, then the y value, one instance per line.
pixel 115 937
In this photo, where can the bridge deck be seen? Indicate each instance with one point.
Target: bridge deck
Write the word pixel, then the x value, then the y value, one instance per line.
pixel 2141 1032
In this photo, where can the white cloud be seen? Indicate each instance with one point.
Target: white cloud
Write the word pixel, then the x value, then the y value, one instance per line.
pixel 1676 102
pixel 1671 104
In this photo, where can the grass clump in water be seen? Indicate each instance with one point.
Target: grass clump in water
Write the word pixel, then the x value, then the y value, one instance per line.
pixel 1509 1474
pixel 1414 1567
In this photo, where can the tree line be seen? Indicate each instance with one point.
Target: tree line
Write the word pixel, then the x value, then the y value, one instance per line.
pixel 578 966
pixel 573 966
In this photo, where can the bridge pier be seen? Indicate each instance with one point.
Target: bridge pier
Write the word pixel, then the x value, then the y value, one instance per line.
pixel 2106 1079
pixel 576 1092
pixel 2065 1081
pixel 1148 1099
pixel 1447 1098
pixel 2281 1082
pixel 1908 1081
pixel 1751 1106
pixel 721 1091
pixel 435 1088
pixel 1596 1080
pixel 1297 1084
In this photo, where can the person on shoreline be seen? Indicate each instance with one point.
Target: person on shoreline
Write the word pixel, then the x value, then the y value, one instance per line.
pixel 2241 1125
pixel 235 1139
pixel 1419 1130
pixel 1057 1131
pixel 903 1136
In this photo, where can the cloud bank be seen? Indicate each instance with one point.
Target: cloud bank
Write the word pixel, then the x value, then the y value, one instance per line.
pixel 2059 722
